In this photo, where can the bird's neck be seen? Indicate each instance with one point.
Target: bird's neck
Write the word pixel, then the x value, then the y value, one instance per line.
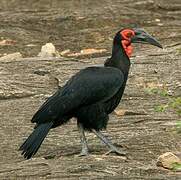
pixel 119 59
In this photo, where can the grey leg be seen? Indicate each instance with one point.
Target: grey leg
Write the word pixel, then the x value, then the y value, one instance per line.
pixel 84 151
pixel 108 143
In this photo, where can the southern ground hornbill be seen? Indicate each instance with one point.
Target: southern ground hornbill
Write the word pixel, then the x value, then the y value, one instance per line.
pixel 90 96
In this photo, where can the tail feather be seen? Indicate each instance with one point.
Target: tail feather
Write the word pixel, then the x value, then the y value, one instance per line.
pixel 33 142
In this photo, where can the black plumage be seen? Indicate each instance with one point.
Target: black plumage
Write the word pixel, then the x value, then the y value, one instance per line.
pixel 90 96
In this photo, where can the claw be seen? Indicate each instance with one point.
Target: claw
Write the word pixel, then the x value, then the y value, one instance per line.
pixel 83 153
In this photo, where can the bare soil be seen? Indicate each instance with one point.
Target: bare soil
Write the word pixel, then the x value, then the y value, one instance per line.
pixel 26 82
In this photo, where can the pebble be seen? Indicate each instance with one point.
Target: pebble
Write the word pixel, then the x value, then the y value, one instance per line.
pixel 167 160
pixel 12 56
pixel 48 50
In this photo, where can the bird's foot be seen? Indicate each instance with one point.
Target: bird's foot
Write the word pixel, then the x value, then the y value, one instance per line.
pixel 116 151
pixel 83 153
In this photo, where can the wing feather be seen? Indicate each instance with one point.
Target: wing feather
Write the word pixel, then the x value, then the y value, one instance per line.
pixel 88 86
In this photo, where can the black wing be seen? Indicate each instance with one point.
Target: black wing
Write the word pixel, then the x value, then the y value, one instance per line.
pixel 88 86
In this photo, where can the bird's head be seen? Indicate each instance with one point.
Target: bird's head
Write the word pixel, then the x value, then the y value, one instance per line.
pixel 136 35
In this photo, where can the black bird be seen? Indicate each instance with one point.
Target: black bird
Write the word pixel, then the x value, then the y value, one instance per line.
pixel 90 95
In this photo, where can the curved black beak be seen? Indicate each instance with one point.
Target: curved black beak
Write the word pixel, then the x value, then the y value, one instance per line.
pixel 143 37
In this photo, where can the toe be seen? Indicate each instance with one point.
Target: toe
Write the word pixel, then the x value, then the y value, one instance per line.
pixel 83 153
pixel 116 151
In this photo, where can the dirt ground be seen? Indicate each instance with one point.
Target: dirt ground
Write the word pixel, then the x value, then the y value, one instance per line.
pixel 145 122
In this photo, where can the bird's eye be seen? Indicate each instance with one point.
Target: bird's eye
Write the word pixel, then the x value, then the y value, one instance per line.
pixel 129 34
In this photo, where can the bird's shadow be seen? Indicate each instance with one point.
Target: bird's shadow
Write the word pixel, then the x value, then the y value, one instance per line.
pixel 63 151
pixel 75 151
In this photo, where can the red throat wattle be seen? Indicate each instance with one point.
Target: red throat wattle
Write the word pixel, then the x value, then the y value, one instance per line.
pixel 127 47
pixel 126 42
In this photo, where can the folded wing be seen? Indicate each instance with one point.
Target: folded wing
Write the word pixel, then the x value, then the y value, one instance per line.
pixel 88 86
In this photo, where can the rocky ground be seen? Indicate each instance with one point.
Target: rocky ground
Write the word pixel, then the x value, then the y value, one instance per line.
pixel 146 123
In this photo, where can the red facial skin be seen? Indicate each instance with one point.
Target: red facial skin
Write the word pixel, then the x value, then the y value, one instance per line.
pixel 126 42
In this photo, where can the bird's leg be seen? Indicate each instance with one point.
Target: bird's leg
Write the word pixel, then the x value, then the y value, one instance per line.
pixel 84 151
pixel 113 149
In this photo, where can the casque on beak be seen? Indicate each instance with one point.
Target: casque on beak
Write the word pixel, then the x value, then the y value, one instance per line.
pixel 143 37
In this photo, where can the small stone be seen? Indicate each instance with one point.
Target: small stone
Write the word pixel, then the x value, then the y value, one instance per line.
pixel 31 45
pixel 12 56
pixel 167 160
pixel 157 20
pixel 48 50
pixel 160 24
pixel 120 112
